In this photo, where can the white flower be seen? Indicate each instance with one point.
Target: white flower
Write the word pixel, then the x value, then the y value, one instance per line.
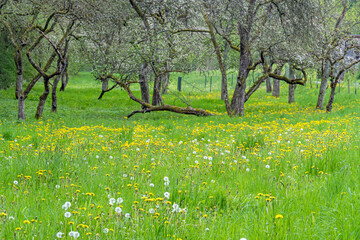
pixel 74 234
pixel 210 158
pixel 16 182
pixel 151 210
pixel 119 200
pixel 166 179
pixel 57 186
pixel 205 157
pixel 248 169
pixel 212 181
pixel 167 195
pixel 207 229
pixel 106 230
pixel 152 185
pixel 66 205
pixel 97 156
pixel 267 166
pixel 166 183
pixel 67 214
pixel 235 161
pixel 124 175
pixel 59 235
pixel 243 239
pixel 118 209
pixel 196 162
pixel 111 157
pixel 11 218
pixel 243 157
pixel 175 207
pixel 194 152
pixel 127 215
pixel 138 149
pixel 112 201
pixel 210 163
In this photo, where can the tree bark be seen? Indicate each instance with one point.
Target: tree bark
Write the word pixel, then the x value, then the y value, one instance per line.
pixel 54 94
pixel 323 86
pixel 19 73
pixel 42 99
pixel 276 83
pixel 224 92
pixel 332 97
pixel 165 84
pixel 157 98
pixel 292 87
pixel 268 85
pixel 238 100
pixel 21 107
pixel 144 85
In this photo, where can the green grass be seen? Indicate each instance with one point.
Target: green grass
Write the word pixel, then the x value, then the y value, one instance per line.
pixel 284 171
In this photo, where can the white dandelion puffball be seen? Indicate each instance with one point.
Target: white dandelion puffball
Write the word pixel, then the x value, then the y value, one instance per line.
pixel 74 234
pixel 167 195
pixel 59 235
pixel 151 210
pixel 67 214
pixel 106 230
pixel 118 209
pixel 127 215
pixel 112 201
pixel 119 200
pixel 166 179
pixel 152 185
pixel 16 182
pixel 267 166
pixel 67 204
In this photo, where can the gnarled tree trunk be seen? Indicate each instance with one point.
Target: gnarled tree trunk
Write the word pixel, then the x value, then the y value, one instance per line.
pixel 157 98
pixel 292 87
pixel 276 83
pixel 54 95
pixel 323 85
pixel 332 96
pixel 268 85
pixel 144 85
pixel 42 99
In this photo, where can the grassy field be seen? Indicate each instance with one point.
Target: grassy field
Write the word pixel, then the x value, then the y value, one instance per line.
pixel 281 172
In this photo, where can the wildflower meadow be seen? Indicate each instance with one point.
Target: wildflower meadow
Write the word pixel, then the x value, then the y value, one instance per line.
pixel 284 171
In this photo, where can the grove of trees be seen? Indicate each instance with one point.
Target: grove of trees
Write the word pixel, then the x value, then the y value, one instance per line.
pixel 127 42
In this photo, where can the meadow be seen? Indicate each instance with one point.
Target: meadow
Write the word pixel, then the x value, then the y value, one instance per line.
pixel 284 171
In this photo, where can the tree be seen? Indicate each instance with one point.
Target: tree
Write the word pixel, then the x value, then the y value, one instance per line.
pixel 29 23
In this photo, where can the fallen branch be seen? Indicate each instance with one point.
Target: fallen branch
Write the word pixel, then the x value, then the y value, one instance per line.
pixel 147 107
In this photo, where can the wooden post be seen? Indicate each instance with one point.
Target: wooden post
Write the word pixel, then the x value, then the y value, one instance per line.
pixel 179 84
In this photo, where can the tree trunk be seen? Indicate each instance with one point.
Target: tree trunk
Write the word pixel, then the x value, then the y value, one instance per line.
pixel 238 100
pixel 323 86
pixel 292 87
pixel 53 94
pixel 157 99
pixel 268 85
pixel 276 83
pixel 21 107
pixel 42 99
pixel 144 85
pixel 332 96
pixel 19 73
pixel 165 84
pixel 224 92
pixel 64 81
